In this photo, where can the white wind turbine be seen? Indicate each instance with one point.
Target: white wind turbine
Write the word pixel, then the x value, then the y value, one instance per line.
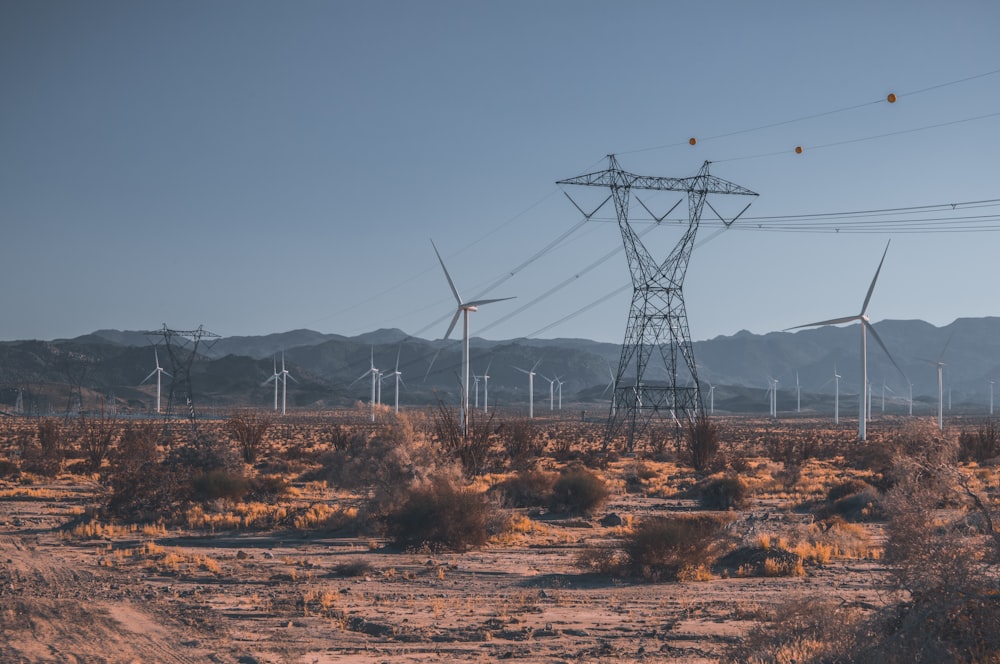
pixel 486 388
pixel 276 377
pixel 991 396
pixel 373 372
pixel 531 387
pixel 475 384
pixel 284 383
pixel 836 395
pixel 772 391
pixel 398 375
pixel 613 387
pixel 552 392
pixel 866 326
pixel 464 308
pixel 158 371
pixel 798 394
pixel 711 399
pixel 940 372
pixel 559 384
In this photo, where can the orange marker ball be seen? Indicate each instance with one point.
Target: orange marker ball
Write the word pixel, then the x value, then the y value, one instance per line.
pixel 798 149
pixel 692 140
pixel 891 98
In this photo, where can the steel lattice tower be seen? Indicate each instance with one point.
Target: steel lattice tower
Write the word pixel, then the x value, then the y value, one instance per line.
pixel 180 364
pixel 657 328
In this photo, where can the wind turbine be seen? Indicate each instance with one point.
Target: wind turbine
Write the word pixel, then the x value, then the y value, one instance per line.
pixel 836 395
pixel 486 388
pixel 373 372
pixel 559 384
pixel 464 308
pixel 613 385
pixel 552 392
pixel 711 399
pixel 399 377
pixel 773 393
pixel 940 372
pixel 475 384
pixel 866 326
pixel 284 383
pixel 159 371
pixel 276 377
pixel 531 387
pixel 798 394
pixel 991 396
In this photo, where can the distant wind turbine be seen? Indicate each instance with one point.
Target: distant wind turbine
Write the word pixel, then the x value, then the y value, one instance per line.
pixel 991 396
pixel 836 395
pixel 486 388
pixel 940 374
pixel 398 375
pixel 158 371
pixel 283 375
pixel 464 308
pixel 559 384
pixel 552 392
pixel 798 394
pixel 531 387
pixel 276 377
pixel 613 386
pixel 373 372
pixel 866 326
pixel 711 399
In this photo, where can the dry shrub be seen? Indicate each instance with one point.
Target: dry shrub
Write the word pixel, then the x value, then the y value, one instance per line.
pixel 440 516
pixel 723 493
pixel 664 548
pixel 139 486
pixel 800 631
pixel 981 445
pixel 472 448
pixel 527 488
pixel 383 466
pixel 578 491
pixel 97 435
pixel 45 454
pixel 520 442
pixel 218 484
pixel 247 428
pixel 355 567
pixel 661 548
pixel 768 561
pixel 702 443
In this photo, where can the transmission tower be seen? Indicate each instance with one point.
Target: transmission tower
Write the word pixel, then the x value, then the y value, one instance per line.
pixel 182 349
pixel 657 328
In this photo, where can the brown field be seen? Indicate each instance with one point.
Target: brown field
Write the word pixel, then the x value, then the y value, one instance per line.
pixel 294 557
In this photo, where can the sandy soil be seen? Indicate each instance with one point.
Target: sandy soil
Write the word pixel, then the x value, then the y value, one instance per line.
pixel 278 597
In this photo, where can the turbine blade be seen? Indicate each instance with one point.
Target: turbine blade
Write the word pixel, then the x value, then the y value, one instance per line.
pixel 454 321
pixel 832 321
pixel 288 375
pixel 479 303
pixel 447 276
pixel 400 350
pixel 941 356
pixel 431 365
pixel 536 364
pixel 151 374
pixel 167 373
pixel 871 329
pixel 871 288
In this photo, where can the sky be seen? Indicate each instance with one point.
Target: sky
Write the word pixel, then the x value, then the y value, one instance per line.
pixel 257 167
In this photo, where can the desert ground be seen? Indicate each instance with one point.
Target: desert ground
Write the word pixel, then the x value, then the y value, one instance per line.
pixel 304 550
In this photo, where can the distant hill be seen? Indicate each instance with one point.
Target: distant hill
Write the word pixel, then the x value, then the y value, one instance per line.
pixel 332 370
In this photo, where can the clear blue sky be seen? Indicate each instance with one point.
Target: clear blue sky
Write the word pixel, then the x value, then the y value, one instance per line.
pixel 262 166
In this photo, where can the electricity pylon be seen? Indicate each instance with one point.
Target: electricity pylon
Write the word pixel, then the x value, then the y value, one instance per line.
pixel 657 322
pixel 180 362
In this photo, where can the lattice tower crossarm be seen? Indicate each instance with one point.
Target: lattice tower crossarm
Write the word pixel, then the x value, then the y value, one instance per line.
pixel 657 326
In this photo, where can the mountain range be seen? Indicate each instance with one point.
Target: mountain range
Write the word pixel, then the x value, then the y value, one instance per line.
pixel 332 370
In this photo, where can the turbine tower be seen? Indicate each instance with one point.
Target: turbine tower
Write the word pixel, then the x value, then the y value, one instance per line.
pixel 991 395
pixel 657 324
pixel 866 326
pixel 464 308
pixel 398 375
pixel 836 395
pixel 276 377
pixel 486 388
pixel 940 375
pixel 159 371
pixel 373 372
pixel 284 383
pixel 531 387
pixel 711 399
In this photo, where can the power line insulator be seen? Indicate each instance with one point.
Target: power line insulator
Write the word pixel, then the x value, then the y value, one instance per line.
pixel 891 98
pixel 692 140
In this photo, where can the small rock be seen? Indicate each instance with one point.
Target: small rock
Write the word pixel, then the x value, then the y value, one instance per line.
pixel 268 555
pixel 611 520
pixel 242 555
